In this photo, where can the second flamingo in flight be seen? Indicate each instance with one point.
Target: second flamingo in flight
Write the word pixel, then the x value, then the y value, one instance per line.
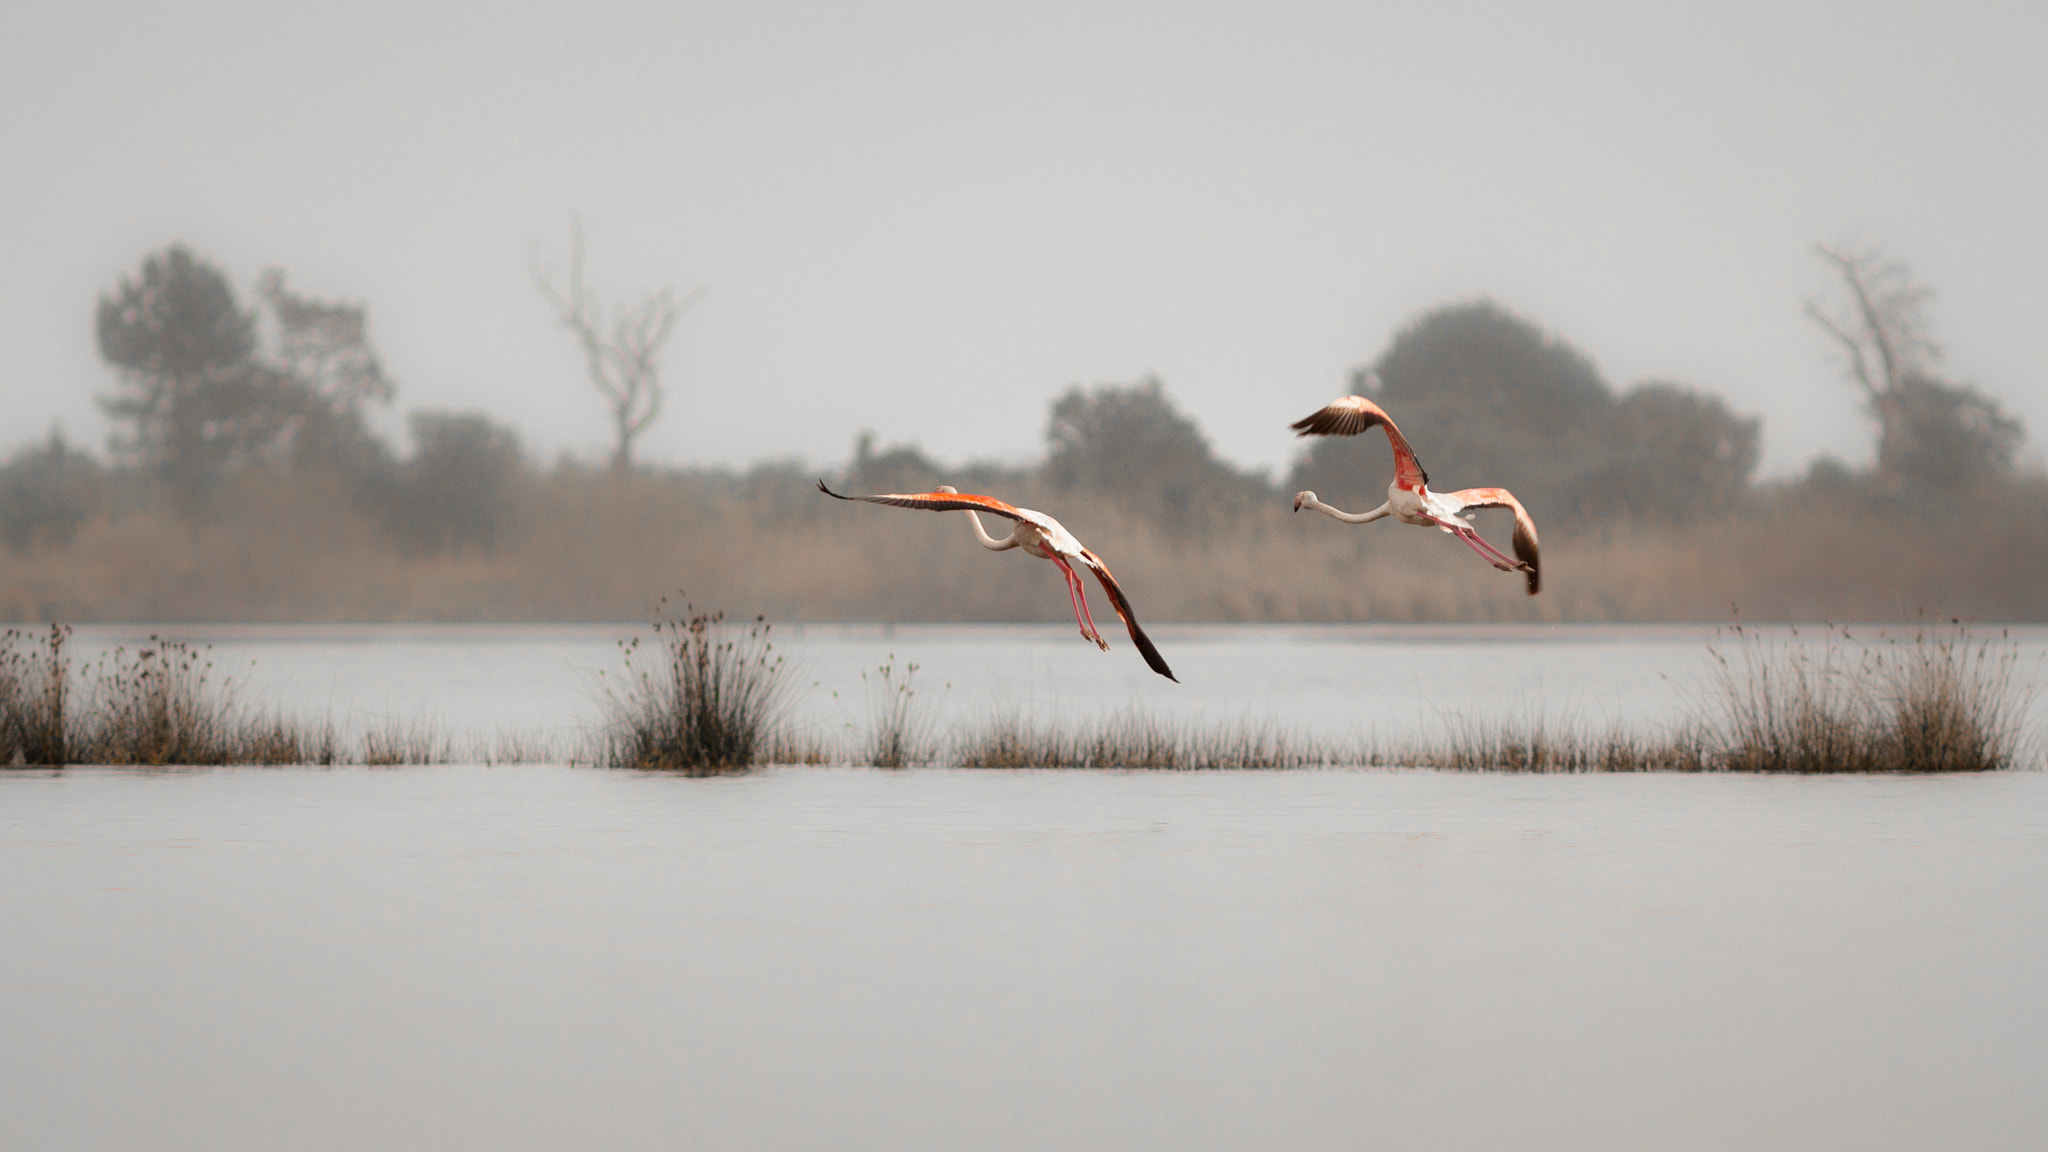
pixel 1041 536
pixel 1409 499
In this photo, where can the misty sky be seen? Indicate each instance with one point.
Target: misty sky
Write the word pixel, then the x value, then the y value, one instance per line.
pixel 929 219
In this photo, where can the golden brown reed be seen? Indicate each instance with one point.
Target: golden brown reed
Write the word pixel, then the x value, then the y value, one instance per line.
pixel 586 546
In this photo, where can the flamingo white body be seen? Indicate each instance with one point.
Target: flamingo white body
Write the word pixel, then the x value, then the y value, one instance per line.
pixel 1409 498
pixel 1037 535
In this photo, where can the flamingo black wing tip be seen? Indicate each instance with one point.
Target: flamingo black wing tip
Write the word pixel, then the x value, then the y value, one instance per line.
pixel 1152 657
pixel 831 493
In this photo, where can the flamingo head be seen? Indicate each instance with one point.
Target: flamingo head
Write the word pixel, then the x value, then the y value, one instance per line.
pixel 1304 500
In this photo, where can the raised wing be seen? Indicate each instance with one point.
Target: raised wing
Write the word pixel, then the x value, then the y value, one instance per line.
pixel 1525 528
pixel 943 502
pixel 1130 619
pixel 1355 414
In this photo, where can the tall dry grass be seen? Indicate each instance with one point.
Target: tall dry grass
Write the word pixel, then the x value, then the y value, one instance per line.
pixel 711 699
pixel 159 705
pixel 1937 699
pixel 33 690
pixel 581 545
pixel 1136 740
pixel 901 730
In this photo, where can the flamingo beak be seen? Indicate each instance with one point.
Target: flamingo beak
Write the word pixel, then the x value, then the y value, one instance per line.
pixel 1298 497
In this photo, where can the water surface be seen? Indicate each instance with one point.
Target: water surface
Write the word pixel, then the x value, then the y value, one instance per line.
pixel 545 957
pixel 1388 682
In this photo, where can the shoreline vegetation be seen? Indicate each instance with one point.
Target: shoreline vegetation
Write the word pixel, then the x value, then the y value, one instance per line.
pixel 253 488
pixel 708 697
pixel 572 544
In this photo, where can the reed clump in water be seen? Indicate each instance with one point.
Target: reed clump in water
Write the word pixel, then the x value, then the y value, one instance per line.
pixel 711 702
pixel 158 706
pixel 32 696
pixel 394 742
pixel 1136 740
pixel 1535 746
pixel 1932 700
pixel 900 726
pixel 155 706
pixel 1936 700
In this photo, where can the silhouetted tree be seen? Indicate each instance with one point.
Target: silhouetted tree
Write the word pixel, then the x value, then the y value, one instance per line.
pixel 456 491
pixel 326 343
pixel 194 395
pixel 623 362
pixel 1935 436
pixel 1672 453
pixel 47 490
pixel 200 396
pixel 1128 443
pixel 903 468
pixel 324 347
pixel 1486 397
pixel 1954 437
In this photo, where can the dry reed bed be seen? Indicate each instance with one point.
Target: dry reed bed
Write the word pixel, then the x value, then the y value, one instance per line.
pixel 159 705
pixel 588 547
pixel 1933 699
pixel 708 698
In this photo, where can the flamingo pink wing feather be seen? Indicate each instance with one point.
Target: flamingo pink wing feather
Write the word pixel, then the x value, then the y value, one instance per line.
pixel 1355 414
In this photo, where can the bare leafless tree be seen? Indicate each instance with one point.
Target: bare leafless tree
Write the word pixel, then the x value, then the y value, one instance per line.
pixel 622 358
pixel 1884 333
pixel 1935 435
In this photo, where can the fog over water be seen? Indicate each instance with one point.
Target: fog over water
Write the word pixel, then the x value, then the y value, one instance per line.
pixel 892 204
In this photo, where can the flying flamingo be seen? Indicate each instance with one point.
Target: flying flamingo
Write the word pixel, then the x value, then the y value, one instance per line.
pixel 1409 498
pixel 1041 536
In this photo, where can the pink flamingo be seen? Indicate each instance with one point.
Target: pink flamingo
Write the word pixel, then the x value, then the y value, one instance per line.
pixel 1041 536
pixel 1409 498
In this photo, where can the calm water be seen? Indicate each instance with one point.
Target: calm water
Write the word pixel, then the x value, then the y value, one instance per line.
pixel 1389 682
pixel 547 957
pixel 550 957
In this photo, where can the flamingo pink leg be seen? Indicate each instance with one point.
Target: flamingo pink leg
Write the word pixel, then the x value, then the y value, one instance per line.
pixel 1477 543
pixel 1078 593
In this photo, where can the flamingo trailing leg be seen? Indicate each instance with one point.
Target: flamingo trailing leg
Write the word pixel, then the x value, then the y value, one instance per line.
pixel 1041 536
pixel 1409 499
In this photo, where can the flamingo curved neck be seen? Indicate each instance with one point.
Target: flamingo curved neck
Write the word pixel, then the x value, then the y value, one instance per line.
pixel 989 542
pixel 1352 517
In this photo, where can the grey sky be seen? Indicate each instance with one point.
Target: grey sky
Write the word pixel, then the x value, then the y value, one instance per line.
pixel 928 219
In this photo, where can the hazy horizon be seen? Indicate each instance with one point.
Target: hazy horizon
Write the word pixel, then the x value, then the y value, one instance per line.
pixel 928 222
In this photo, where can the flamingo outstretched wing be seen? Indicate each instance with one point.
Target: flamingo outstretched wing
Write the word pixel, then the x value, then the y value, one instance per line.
pixel 1355 414
pixel 943 502
pixel 1525 528
pixel 1130 618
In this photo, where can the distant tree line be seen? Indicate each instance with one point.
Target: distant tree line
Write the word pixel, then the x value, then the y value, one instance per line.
pixel 209 390
pixel 1489 397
